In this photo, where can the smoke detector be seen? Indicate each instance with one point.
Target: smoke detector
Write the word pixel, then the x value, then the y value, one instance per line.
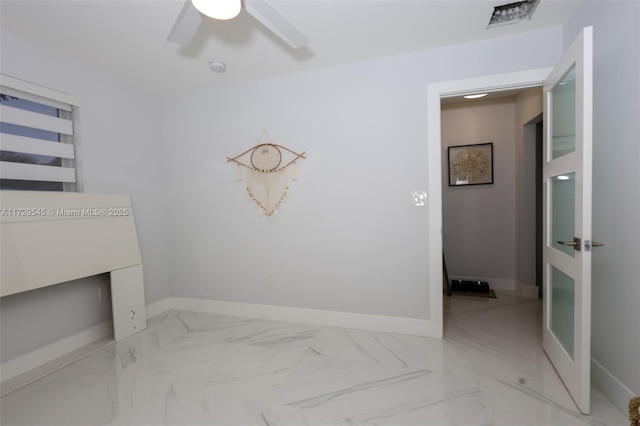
pixel 512 13
pixel 218 66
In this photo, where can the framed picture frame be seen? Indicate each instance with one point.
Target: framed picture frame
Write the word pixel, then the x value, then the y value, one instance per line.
pixel 471 164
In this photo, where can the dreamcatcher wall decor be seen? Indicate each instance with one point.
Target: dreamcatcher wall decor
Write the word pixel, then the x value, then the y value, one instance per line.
pixel 267 173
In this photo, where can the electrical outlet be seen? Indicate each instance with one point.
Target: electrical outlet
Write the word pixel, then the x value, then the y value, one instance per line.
pixel 104 294
pixel 268 278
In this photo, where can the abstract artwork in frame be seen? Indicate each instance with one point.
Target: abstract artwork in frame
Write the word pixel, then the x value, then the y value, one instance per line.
pixel 471 164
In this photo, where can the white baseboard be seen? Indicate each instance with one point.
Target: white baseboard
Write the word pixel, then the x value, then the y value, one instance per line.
pixel 494 283
pixel 610 386
pixel 159 306
pixel 55 355
pixel 529 291
pixel 413 326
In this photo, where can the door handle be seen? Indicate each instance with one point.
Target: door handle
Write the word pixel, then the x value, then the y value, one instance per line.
pixel 576 243
pixel 591 244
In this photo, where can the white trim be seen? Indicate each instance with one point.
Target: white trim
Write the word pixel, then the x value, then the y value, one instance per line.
pixel 77 143
pixel 436 91
pixel 35 89
pixel 401 325
pixel 35 364
pixel 34 98
pixel 528 291
pixel 435 209
pixel 610 386
pixel 159 307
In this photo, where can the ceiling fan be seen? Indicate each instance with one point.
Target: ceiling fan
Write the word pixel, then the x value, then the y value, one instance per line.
pixel 264 11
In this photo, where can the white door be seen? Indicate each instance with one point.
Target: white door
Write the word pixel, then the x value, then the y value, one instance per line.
pixel 567 218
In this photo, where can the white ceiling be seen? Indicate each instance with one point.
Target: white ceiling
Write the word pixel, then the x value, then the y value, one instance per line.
pixel 127 38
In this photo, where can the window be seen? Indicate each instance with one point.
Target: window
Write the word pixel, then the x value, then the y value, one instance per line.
pixel 37 145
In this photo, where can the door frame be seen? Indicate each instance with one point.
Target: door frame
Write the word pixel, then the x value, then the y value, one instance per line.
pixel 435 92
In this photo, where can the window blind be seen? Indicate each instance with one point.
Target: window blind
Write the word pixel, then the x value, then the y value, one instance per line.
pixel 37 143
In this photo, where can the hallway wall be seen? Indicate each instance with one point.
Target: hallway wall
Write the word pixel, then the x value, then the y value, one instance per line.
pixel 528 110
pixel 478 221
pixel 479 240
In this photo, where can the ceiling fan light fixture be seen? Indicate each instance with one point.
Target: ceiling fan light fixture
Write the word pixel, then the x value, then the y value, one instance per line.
pixel 218 9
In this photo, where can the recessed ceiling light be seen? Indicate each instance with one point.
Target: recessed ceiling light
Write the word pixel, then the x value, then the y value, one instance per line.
pixel 218 66
pixel 476 96
pixel 563 177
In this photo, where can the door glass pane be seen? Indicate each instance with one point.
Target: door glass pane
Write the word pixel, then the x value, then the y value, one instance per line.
pixel 563 195
pixel 563 115
pixel 562 307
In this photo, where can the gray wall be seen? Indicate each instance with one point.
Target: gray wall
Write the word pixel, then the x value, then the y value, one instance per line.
pixel 348 238
pixel 478 221
pixel 528 111
pixel 81 296
pixel 489 231
pixel 616 198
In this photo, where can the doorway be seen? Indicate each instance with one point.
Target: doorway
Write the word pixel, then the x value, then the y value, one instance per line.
pixel 489 225
pixel 435 93
pixel 568 98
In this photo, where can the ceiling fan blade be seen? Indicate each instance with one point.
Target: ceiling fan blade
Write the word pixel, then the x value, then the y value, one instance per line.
pixel 271 18
pixel 186 25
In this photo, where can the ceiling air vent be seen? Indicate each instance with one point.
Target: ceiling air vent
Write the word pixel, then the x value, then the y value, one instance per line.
pixel 512 13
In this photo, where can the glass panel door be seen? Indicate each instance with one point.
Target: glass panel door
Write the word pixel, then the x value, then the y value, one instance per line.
pixel 566 170
pixel 562 308
pixel 563 110
pixel 563 202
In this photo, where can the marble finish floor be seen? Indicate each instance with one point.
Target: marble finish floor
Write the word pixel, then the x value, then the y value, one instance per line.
pixel 202 369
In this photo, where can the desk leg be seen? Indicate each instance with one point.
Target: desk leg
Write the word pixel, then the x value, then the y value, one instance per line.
pixel 127 300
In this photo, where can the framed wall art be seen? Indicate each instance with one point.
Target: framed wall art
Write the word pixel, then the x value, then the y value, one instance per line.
pixel 471 164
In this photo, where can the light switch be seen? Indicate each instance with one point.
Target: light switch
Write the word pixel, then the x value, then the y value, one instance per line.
pixel 419 198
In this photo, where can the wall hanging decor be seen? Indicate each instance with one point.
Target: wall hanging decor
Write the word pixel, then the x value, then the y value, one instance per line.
pixel 267 173
pixel 471 164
